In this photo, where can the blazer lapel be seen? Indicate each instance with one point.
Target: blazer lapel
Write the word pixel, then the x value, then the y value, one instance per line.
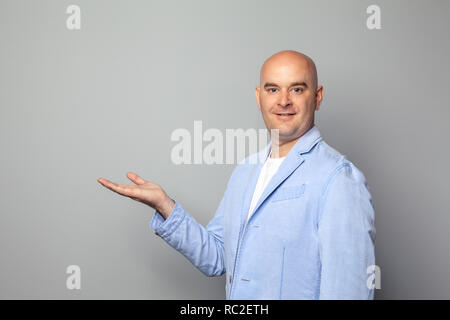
pixel 253 179
pixel 286 168
pixel 293 160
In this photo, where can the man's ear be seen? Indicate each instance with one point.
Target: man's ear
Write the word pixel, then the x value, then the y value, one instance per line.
pixel 319 97
pixel 257 97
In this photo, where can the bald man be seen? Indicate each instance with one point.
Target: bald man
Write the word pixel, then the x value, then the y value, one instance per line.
pixel 296 220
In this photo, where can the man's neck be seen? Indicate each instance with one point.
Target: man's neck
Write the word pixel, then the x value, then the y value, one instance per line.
pixel 284 147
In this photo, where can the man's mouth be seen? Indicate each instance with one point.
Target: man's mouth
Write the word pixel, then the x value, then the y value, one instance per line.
pixel 285 115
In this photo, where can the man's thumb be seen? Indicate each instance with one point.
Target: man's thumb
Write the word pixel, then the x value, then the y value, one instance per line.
pixel 135 178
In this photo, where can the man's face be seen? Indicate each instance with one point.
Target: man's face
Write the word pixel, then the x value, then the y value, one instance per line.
pixel 288 97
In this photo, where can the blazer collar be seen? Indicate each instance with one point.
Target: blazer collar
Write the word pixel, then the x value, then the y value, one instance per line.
pixel 303 145
pixel 292 161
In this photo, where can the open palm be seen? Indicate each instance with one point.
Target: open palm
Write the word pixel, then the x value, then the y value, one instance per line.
pixel 143 191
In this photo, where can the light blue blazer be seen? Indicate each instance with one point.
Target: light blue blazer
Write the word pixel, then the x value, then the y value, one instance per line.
pixel 311 234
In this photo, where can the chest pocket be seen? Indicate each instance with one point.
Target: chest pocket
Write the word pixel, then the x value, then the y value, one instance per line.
pixel 286 193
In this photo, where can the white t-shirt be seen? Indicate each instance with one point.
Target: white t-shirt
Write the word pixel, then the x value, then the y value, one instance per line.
pixel 269 168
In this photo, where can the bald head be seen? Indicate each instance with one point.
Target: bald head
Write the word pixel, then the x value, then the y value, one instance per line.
pixel 289 94
pixel 290 59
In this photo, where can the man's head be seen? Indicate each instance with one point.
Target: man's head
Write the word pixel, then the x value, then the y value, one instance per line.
pixel 289 94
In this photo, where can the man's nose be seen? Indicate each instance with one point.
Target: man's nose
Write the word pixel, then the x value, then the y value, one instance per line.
pixel 284 99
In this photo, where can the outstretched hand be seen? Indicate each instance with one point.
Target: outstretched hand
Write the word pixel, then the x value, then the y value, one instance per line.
pixel 143 191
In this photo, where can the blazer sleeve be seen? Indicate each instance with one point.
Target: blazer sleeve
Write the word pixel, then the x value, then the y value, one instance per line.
pixel 202 246
pixel 346 234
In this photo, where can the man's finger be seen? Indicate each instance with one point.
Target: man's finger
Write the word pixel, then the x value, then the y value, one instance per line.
pixel 135 178
pixel 108 184
pixel 123 189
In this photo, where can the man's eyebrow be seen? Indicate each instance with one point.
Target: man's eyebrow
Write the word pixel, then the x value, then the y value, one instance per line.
pixel 299 84
pixel 269 84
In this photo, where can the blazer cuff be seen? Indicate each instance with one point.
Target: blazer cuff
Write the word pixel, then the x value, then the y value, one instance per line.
pixel 165 228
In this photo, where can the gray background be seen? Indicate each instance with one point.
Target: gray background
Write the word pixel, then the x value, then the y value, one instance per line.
pixel 101 101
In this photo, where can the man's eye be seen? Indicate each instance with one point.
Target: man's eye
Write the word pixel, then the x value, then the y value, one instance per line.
pixel 272 90
pixel 298 90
